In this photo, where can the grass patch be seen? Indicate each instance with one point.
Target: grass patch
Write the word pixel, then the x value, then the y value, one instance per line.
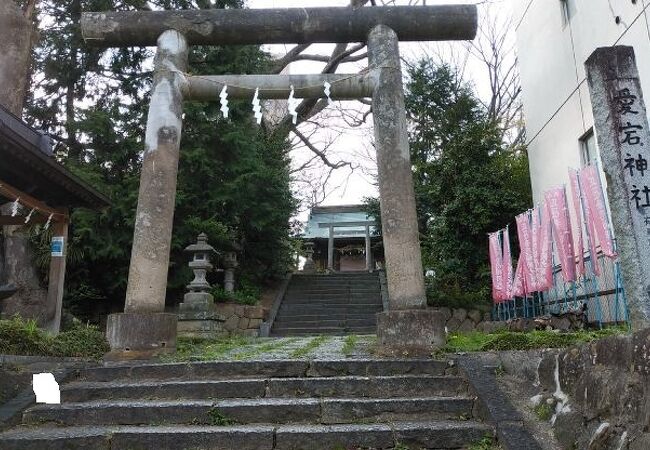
pixel 309 347
pixel 23 337
pixel 510 340
pixel 202 349
pixel 544 411
pixel 219 419
pixel 349 344
pixel 487 443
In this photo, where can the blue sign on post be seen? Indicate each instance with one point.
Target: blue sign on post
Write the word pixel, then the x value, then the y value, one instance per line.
pixel 57 246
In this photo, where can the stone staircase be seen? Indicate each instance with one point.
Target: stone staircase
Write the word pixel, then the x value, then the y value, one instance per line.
pixel 274 404
pixel 340 303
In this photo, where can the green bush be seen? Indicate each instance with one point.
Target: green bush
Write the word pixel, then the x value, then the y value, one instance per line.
pixel 246 295
pixel 23 337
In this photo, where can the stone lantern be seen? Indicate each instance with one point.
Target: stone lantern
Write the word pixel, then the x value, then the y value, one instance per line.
pixel 310 266
pixel 230 263
pixel 196 315
pixel 198 288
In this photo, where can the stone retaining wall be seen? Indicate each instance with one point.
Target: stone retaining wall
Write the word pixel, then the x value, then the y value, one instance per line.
pixel 241 319
pixel 600 393
pixel 460 320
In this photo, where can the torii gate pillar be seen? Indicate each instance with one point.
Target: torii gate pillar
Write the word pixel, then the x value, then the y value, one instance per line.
pixel 407 328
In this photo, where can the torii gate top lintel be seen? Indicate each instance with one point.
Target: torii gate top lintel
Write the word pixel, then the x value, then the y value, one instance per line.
pixel 279 26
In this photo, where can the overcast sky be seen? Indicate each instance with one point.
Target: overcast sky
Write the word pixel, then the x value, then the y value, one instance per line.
pixel 358 141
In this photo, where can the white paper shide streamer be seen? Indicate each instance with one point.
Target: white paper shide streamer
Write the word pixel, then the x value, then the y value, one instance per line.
pixel 257 107
pixel 328 92
pixel 29 216
pixel 293 104
pixel 14 208
pixel 49 220
pixel 224 101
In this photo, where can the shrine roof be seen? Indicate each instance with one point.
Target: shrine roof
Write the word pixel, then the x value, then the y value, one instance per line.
pixel 323 215
pixel 27 163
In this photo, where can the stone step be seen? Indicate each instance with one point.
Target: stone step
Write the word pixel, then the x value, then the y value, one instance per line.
pixel 296 322
pixel 249 411
pixel 333 293
pixel 289 315
pixel 429 434
pixel 318 310
pixel 215 370
pixel 436 384
pixel 332 301
pixel 315 331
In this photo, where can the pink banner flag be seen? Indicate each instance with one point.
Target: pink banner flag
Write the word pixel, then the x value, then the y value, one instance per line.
pixel 519 282
pixel 524 233
pixel 544 264
pixel 556 203
pixel 590 226
pixel 507 266
pixel 593 194
pixel 577 209
pixel 496 267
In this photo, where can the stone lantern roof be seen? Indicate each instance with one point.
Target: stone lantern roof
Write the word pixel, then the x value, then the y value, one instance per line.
pixel 201 245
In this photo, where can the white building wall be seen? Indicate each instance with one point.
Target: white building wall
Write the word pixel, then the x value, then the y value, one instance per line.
pixel 552 50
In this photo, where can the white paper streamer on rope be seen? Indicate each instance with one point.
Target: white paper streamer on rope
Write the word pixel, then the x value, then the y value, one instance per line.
pixel 293 104
pixel 328 92
pixel 257 107
pixel 29 216
pixel 224 101
pixel 49 220
pixel 14 208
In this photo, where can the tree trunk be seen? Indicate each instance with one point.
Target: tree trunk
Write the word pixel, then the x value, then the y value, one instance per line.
pixel 17 35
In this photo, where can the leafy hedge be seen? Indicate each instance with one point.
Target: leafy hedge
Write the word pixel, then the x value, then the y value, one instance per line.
pixel 23 337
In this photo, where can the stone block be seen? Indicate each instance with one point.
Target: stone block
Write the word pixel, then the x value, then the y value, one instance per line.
pixel 414 332
pixel 225 309
pixel 459 314
pixel 453 324
pixel 254 324
pixel 640 442
pixel 487 316
pixel 567 429
pixel 446 312
pixel 240 310
pixel 231 323
pixel 198 297
pixel 243 323
pixel 141 335
pixel 254 312
pixel 474 315
pixel 466 326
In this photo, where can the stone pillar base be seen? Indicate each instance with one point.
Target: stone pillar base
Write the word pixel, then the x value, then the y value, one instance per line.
pixel 410 332
pixel 140 335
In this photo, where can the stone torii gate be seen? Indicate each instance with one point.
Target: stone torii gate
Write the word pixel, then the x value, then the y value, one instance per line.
pixel 407 327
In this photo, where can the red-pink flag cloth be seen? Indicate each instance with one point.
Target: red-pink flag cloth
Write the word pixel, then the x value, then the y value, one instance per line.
pixel 507 266
pixel 556 201
pixel 544 264
pixel 577 208
pixel 524 233
pixel 519 282
pixel 590 225
pixel 593 193
pixel 496 266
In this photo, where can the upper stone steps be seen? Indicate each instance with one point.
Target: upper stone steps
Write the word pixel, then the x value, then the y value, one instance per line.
pixel 319 304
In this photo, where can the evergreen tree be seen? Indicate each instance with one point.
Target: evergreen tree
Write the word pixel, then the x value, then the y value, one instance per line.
pixel 233 181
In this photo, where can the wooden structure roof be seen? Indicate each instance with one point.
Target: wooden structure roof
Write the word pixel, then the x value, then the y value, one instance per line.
pixel 28 165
